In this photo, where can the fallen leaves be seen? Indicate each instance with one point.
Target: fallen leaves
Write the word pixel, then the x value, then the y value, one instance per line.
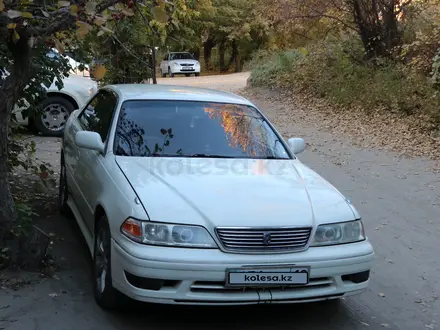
pixel 379 128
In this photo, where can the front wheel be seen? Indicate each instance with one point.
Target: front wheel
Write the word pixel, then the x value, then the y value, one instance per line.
pixel 52 119
pixel 105 294
pixel 197 74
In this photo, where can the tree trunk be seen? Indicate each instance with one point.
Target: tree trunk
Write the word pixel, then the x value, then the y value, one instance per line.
pixel 377 25
pixel 234 59
pixel 221 56
pixel 234 53
pixel 10 90
pixel 207 52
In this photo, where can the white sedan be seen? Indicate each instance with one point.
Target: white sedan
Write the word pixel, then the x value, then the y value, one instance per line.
pixel 190 196
pixel 179 63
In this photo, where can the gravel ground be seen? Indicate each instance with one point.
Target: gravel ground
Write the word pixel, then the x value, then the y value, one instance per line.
pixel 398 197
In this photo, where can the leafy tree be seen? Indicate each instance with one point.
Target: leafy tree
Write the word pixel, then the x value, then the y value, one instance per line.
pixel 233 24
pixel 29 31
pixel 377 22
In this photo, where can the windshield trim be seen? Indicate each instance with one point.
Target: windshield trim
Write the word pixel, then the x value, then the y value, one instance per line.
pixel 290 154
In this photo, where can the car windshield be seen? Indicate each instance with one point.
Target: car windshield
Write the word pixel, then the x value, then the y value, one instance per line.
pixel 181 56
pixel 166 128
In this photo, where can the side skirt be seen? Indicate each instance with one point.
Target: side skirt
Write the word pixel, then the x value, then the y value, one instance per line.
pixel 82 225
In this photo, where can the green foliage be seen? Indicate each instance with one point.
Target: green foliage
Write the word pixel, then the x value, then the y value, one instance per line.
pixel 271 69
pixel 333 71
pixel 25 214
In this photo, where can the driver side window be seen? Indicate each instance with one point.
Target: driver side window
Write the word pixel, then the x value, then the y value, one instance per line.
pixel 97 115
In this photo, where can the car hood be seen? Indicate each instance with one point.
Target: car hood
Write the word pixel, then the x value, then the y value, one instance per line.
pixel 185 61
pixel 78 82
pixel 232 192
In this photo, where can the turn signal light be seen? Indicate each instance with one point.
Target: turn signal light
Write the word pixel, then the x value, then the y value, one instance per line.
pixel 133 229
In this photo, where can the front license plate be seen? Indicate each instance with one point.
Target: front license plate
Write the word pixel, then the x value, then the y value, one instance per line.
pixel 267 276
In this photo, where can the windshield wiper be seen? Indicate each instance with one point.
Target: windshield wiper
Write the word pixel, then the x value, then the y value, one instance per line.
pixel 209 156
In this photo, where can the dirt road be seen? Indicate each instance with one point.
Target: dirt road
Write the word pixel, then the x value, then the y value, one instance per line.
pixel 398 198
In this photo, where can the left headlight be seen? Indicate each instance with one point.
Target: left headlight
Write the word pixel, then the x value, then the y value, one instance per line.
pixel 339 233
pixel 163 234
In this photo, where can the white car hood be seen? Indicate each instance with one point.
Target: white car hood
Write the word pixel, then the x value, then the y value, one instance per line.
pixel 226 192
pixel 77 82
pixel 185 61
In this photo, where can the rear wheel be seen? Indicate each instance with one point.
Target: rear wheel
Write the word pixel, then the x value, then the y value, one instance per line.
pixel 163 74
pixel 170 73
pixel 52 119
pixel 105 294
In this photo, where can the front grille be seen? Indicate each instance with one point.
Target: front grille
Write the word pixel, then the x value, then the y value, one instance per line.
pixel 187 64
pixel 264 240
pixel 219 287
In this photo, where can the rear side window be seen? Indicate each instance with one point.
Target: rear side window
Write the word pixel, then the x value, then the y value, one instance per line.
pixel 98 114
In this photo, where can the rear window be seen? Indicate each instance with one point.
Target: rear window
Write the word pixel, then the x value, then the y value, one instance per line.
pixel 165 128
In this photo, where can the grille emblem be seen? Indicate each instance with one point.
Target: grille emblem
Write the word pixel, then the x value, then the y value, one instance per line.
pixel 267 238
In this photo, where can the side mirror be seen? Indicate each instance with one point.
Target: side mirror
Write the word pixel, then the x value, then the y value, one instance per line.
pixel 89 140
pixel 297 145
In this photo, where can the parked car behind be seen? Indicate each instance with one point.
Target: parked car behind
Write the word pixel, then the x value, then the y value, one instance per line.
pixel 59 104
pixel 179 63
pixel 191 196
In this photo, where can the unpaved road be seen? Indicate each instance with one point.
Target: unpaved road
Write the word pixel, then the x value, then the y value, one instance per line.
pixel 398 198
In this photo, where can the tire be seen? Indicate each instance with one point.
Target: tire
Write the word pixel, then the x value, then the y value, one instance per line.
pixel 197 74
pixel 163 74
pixel 59 110
pixel 170 73
pixel 106 296
pixel 63 191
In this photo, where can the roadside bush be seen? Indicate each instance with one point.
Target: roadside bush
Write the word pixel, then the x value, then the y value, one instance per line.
pixel 337 71
pixel 273 68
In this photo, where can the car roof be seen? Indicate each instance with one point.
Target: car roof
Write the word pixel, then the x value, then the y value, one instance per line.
pixel 174 92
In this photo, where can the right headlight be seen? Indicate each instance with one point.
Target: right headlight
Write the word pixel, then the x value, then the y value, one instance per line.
pixel 339 233
pixel 163 234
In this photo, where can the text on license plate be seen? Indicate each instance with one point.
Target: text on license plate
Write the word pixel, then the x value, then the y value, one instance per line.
pixel 268 277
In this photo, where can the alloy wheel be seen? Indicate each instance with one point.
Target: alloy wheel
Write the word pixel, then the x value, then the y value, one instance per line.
pixel 101 260
pixel 54 117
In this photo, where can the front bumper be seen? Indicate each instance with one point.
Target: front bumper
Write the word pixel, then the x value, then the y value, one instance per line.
pixel 182 70
pixel 195 276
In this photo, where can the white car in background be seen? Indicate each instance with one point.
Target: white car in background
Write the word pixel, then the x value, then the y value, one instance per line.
pixel 190 196
pixel 179 63
pixel 59 104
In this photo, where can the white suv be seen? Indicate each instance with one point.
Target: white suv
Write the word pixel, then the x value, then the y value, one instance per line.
pixel 179 63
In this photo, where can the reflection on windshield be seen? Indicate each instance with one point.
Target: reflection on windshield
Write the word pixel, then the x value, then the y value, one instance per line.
pixel 195 129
